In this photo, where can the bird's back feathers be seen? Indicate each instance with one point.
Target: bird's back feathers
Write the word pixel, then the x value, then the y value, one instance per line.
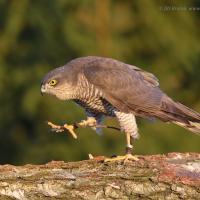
pixel 130 89
pixel 126 87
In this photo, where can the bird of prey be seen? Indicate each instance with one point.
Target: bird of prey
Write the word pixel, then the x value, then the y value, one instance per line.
pixel 108 87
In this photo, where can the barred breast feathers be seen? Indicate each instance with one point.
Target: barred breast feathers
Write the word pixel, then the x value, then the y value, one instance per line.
pixel 91 98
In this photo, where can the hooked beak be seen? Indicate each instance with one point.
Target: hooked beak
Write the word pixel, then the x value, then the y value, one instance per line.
pixel 42 89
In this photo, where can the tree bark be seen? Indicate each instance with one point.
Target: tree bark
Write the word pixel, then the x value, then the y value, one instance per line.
pixel 171 176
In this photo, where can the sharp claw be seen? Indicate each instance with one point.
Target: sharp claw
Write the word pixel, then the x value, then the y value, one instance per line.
pixel 58 130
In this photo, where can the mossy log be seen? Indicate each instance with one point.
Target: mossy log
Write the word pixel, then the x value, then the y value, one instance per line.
pixel 171 176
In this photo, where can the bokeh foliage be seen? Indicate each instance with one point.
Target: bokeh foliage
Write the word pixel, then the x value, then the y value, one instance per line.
pixel 36 36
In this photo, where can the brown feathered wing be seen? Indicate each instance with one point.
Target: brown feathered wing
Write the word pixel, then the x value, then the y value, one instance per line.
pixel 131 89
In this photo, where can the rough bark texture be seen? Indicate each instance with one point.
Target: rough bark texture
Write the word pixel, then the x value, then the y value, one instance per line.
pixel 172 176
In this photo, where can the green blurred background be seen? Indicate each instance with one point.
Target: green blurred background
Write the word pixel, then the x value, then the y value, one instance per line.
pixel 37 36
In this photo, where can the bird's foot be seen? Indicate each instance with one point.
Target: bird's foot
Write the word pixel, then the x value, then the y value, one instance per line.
pixel 124 158
pixel 90 121
pixel 58 128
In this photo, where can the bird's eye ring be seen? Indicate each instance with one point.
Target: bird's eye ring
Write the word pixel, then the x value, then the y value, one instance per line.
pixel 52 82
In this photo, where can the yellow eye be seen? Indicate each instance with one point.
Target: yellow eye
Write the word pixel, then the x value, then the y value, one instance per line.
pixel 52 82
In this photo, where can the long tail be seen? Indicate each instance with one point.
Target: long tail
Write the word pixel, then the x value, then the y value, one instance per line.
pixel 179 114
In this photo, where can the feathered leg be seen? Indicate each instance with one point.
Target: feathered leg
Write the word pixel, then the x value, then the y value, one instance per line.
pixel 129 126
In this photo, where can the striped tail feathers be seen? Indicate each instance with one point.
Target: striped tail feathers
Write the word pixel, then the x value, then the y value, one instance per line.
pixel 181 115
pixel 195 127
pixel 188 111
pixel 191 126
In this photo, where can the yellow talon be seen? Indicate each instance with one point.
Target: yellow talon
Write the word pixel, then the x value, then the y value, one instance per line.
pixel 91 122
pixel 55 127
pixel 58 128
pixel 70 129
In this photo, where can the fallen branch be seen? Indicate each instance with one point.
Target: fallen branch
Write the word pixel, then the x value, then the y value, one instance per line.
pixel 172 176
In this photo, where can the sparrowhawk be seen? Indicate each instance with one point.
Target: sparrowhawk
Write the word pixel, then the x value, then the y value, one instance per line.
pixel 108 87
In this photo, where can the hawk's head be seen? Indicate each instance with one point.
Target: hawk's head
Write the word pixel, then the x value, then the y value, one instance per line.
pixel 58 82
